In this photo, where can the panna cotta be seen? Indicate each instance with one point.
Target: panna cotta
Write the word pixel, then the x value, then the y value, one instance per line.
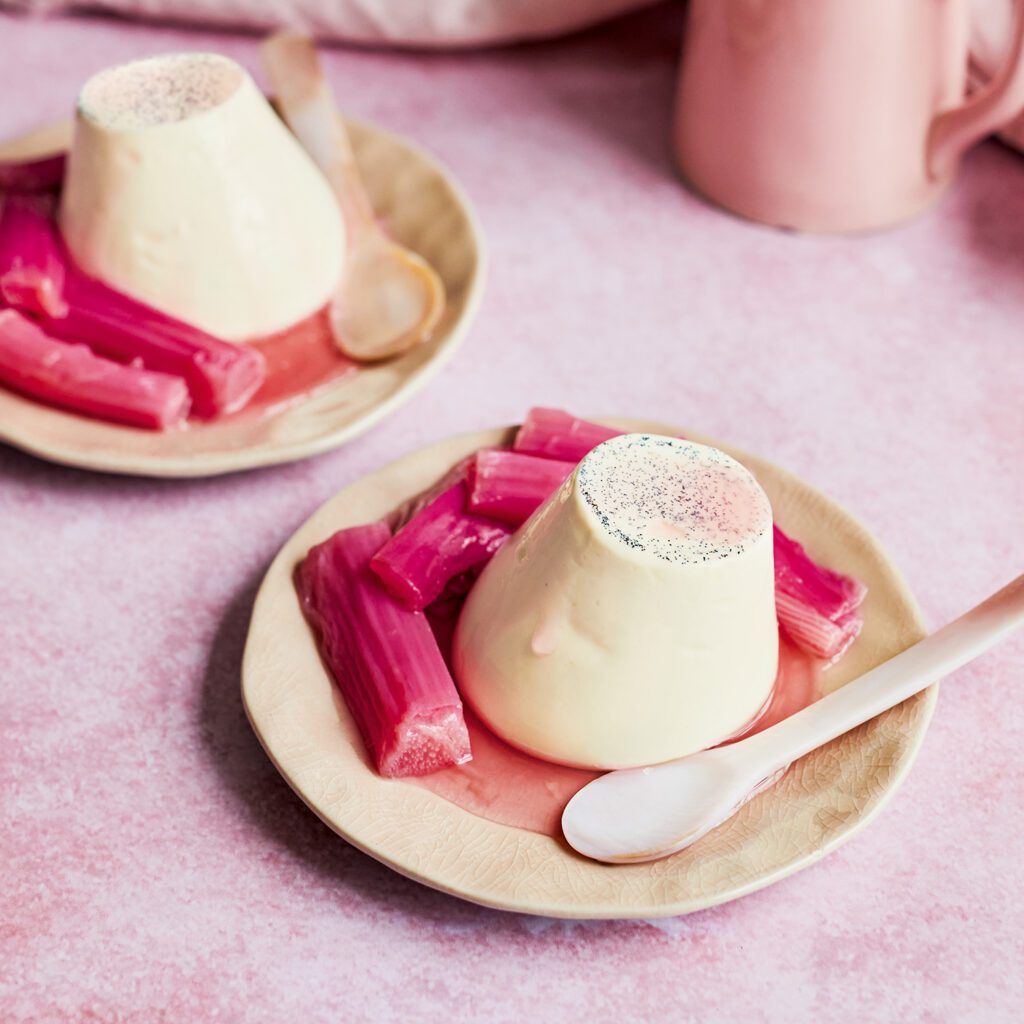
pixel 631 620
pixel 185 191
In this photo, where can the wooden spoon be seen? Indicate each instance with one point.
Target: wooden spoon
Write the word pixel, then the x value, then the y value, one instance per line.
pixel 389 298
pixel 641 814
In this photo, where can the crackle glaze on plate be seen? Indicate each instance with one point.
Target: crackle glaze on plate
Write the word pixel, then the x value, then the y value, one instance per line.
pixel 423 207
pixel 821 802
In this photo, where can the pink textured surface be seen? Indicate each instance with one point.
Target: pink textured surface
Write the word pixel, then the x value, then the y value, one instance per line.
pixel 155 867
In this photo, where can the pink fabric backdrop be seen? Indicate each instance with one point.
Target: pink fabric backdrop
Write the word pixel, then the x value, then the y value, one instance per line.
pixel 448 23
pixel 154 865
pixel 444 22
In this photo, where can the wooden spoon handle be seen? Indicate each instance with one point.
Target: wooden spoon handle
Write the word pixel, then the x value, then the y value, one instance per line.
pixel 305 100
pixel 890 683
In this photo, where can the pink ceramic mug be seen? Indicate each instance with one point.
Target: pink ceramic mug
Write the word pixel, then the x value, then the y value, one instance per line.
pixel 832 115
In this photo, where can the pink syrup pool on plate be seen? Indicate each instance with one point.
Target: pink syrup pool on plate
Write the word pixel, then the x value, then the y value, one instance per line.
pixel 300 360
pixel 506 786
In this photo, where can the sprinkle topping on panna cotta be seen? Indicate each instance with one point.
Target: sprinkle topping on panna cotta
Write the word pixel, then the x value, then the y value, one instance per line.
pixel 632 619
pixel 677 501
pixel 158 91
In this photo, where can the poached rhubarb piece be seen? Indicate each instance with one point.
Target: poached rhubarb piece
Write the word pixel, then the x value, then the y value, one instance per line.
pixel 37 174
pixel 383 657
pixel 31 263
pixel 73 377
pixel 555 434
pixel 412 507
pixel 818 608
pixel 511 486
pixel 439 543
pixel 221 377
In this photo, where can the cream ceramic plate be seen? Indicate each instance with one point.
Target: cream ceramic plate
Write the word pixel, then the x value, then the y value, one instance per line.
pixel 425 209
pixel 823 800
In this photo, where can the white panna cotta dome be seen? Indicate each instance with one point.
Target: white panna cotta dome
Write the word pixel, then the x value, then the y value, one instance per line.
pixel 632 619
pixel 186 191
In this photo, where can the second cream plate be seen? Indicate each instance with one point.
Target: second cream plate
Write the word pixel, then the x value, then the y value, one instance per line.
pixel 424 208
pixel 821 802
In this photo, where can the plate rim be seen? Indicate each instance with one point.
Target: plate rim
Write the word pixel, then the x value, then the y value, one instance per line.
pixel 197 466
pixel 482 895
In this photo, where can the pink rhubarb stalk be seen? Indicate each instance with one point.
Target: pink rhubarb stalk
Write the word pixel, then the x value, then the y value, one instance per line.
pixel 440 542
pixel 73 377
pixel 221 377
pixel 37 174
pixel 554 434
pixel 383 657
pixel 817 607
pixel 412 507
pixel 511 486
pixel 31 261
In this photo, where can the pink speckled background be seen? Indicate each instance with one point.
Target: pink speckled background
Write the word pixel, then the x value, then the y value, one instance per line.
pixel 153 865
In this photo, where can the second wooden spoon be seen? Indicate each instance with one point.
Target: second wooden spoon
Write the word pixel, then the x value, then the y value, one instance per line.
pixel 389 298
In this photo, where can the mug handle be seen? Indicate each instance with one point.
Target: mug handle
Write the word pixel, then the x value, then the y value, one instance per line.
pixel 953 132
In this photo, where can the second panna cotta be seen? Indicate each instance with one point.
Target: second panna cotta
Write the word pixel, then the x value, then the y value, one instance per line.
pixel 185 191
pixel 632 619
